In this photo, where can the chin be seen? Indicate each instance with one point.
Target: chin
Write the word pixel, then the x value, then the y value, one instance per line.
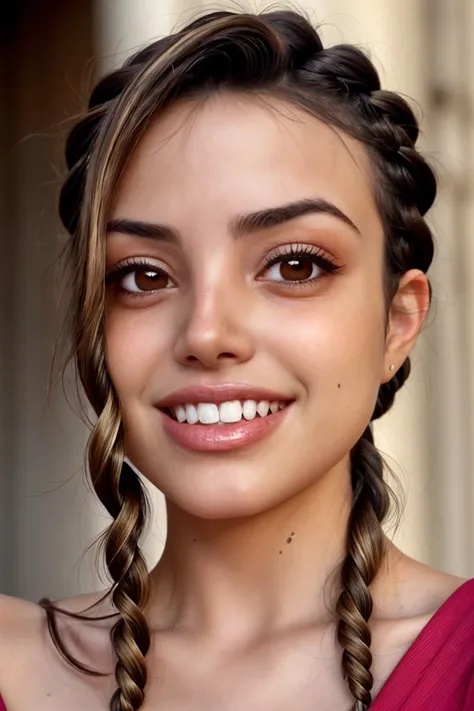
pixel 218 513
pixel 216 506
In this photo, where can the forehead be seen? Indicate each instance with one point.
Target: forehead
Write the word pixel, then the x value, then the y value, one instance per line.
pixel 236 153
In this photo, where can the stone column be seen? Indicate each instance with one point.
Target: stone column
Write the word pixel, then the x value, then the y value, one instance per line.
pixel 451 338
pixel 48 522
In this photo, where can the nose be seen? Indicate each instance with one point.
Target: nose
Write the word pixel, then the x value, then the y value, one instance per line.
pixel 215 329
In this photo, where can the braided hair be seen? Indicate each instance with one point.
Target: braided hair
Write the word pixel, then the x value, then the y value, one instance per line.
pixel 276 54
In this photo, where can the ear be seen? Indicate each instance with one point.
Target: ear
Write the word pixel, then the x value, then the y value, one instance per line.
pixel 408 311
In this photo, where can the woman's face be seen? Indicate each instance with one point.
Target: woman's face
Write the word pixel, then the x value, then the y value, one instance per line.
pixel 237 290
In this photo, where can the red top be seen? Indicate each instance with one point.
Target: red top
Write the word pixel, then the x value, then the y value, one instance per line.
pixel 437 671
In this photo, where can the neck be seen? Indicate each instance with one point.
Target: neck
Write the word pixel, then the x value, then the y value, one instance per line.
pixel 241 578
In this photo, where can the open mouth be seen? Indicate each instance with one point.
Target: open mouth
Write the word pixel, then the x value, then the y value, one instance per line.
pixel 224 413
pixel 223 426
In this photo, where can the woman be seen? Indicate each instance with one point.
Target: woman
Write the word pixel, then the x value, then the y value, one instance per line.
pixel 248 257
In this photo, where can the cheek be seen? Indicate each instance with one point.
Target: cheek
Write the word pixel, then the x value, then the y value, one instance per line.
pixel 136 343
pixel 334 346
pixel 335 335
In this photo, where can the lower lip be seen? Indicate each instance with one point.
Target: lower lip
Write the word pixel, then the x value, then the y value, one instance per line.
pixel 221 438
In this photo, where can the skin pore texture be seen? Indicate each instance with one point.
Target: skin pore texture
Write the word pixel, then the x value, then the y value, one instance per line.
pixel 241 605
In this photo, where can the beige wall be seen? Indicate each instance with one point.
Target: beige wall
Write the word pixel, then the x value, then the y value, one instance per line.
pixel 42 534
pixel 6 322
pixel 450 354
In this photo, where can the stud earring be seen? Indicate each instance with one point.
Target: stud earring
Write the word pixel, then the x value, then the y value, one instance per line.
pixel 392 368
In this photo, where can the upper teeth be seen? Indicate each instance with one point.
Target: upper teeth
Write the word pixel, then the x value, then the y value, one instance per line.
pixel 232 411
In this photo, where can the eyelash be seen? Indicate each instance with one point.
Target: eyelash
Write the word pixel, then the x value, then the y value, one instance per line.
pixel 294 251
pixel 115 276
pixel 290 251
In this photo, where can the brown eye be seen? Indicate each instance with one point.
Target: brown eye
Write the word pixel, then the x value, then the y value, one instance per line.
pixel 297 269
pixel 139 280
pixel 291 269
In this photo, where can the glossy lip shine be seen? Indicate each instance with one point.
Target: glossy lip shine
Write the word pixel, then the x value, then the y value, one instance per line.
pixel 221 437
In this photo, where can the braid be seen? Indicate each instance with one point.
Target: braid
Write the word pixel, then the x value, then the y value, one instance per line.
pixel 365 552
pixel 121 492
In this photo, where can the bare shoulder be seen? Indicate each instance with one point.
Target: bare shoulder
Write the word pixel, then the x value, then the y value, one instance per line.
pixel 24 636
pixel 20 631
pixel 17 618
pixel 406 587
pixel 421 589
pixel 34 672
pixel 407 598
pixel 22 616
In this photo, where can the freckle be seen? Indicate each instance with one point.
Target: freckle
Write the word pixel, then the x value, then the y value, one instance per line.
pixel 194 540
pixel 339 385
pixel 280 552
pixel 288 540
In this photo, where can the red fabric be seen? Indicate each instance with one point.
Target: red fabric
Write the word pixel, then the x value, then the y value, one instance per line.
pixel 437 671
pixel 470 696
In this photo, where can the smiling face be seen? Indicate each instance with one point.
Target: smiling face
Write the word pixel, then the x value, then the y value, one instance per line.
pixel 228 288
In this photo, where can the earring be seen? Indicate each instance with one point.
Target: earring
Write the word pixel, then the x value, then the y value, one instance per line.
pixel 392 368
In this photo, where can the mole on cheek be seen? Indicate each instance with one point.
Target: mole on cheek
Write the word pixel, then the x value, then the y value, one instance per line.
pixel 339 385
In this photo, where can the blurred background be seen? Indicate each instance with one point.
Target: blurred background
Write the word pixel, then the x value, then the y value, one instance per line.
pixel 50 55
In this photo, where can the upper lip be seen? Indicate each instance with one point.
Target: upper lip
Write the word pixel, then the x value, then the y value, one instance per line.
pixel 220 393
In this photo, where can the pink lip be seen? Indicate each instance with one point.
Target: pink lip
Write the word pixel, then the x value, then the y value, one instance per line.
pixel 221 438
pixel 220 393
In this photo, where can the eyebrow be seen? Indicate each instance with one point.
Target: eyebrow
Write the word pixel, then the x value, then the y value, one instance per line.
pixel 240 225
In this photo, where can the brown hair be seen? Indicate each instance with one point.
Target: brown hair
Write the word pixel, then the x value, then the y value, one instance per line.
pixel 276 54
